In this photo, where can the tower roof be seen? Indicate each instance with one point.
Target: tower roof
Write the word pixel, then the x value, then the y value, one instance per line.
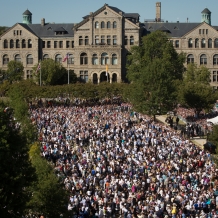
pixel 27 12
pixel 206 11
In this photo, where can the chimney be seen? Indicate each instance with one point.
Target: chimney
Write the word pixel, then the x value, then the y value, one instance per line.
pixel 43 22
pixel 158 11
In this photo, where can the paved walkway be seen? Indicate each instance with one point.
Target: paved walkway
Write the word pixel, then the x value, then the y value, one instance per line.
pixel 196 140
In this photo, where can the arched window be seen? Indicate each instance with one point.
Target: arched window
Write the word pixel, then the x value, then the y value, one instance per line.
pixel 177 43
pixel 80 40
pixel 215 59
pixel 70 59
pixel 46 56
pixel 95 59
pixel 86 40
pixel 5 43
pixel 209 43
pixel 23 43
pixel 203 59
pixel 83 59
pixel 114 24
pixel 114 59
pixel 216 43
pixel 190 59
pixel 196 43
pixel 108 24
pixel 96 25
pixel 131 40
pixel 29 59
pixel 102 25
pixel 5 59
pixel 203 43
pixel 17 43
pixel 190 43
pixel 11 43
pixel 58 58
pixel 17 57
pixel 126 40
pixel 29 43
pixel 104 59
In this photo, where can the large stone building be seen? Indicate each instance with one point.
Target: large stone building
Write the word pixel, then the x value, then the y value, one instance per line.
pixel 101 41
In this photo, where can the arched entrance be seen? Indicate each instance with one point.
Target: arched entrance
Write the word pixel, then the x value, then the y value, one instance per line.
pixel 104 77
pixel 95 78
pixel 114 78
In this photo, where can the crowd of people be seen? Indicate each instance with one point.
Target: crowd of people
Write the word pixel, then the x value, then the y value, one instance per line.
pixel 118 163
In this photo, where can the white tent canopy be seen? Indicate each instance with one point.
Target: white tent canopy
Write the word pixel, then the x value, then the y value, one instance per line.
pixel 213 120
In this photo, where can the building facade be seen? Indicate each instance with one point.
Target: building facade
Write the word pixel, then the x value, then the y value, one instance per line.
pixel 97 47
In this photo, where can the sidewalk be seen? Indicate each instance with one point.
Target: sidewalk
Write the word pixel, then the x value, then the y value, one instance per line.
pixel 196 140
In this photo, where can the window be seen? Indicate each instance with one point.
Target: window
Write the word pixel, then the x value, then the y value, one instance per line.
pixel 95 59
pixel 43 44
pixel 114 59
pixel 17 43
pixel 108 24
pixel 11 43
pixel 190 43
pixel 5 59
pixel 86 40
pixel 5 43
pixel 29 59
pixel 58 58
pixel 209 43
pixel 114 40
pixel 96 40
pixel 203 59
pixel 102 25
pixel 29 43
pixel 131 40
pixel 103 40
pixel 190 59
pixel 199 31
pixel 83 76
pixel 108 40
pixel 114 24
pixel 80 40
pixel 104 59
pixel 203 43
pixel 83 59
pixel 45 57
pixel 17 57
pixel 196 43
pixel 29 74
pixel 67 44
pixel 215 59
pixel 126 40
pixel 203 31
pixel 215 76
pixel 177 43
pixel 70 59
pixel 48 44
pixel 55 44
pixel 216 43
pixel 96 25
pixel 20 32
pixel 60 44
pixel 72 44
pixel 206 31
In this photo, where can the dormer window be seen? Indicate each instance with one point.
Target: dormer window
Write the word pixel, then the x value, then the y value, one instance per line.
pixel 60 31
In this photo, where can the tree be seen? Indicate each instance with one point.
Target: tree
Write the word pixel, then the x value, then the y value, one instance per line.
pixel 49 197
pixel 51 72
pixel 16 173
pixel 153 67
pixel 195 90
pixel 14 72
pixel 64 79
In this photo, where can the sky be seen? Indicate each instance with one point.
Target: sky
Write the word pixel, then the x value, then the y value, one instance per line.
pixel 72 11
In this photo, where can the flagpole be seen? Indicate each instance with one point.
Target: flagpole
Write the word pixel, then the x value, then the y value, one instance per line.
pixel 68 72
pixel 40 73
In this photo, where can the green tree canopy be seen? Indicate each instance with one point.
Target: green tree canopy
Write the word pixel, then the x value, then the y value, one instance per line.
pixel 153 67
pixel 14 72
pixel 51 72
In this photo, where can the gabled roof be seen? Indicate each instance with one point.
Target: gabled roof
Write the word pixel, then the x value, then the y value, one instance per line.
pixel 175 29
pixel 206 11
pixel 27 12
